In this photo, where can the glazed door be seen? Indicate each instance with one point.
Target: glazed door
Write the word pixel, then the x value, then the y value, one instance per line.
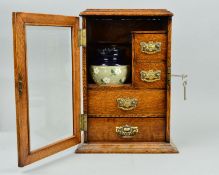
pixel 47 84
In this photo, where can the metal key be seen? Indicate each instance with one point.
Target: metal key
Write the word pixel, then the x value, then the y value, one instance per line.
pixel 184 87
pixel 183 76
pixel 184 79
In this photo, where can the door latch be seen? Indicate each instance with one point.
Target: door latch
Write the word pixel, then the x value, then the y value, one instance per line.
pixel 20 84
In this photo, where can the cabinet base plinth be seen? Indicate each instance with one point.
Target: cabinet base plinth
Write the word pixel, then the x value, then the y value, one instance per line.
pixel 135 147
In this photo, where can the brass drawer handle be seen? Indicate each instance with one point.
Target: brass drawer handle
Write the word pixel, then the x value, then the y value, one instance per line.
pixel 150 76
pixel 127 103
pixel 150 47
pixel 126 131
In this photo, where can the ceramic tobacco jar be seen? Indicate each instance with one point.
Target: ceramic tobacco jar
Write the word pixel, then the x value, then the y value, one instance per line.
pixel 109 67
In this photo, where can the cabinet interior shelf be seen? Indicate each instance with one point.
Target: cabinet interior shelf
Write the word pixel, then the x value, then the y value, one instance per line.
pixel 116 86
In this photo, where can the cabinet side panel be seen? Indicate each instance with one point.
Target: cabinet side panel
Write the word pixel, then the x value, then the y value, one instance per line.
pixel 169 79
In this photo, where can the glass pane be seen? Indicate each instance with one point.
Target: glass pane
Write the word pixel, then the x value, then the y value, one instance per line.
pixel 49 65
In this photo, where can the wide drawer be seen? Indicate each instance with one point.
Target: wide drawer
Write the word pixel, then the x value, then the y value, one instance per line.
pixel 150 75
pixel 125 103
pixel 149 47
pixel 126 129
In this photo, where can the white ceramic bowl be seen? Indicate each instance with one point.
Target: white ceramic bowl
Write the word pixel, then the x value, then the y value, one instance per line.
pixel 109 74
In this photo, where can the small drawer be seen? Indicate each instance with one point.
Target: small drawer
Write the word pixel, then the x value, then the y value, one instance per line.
pixel 126 129
pixel 126 103
pixel 150 75
pixel 149 47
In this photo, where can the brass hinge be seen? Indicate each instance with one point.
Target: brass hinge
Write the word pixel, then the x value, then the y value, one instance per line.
pixel 83 122
pixel 82 37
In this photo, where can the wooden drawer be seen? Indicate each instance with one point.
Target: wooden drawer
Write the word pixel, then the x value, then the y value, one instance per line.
pixel 150 75
pixel 149 47
pixel 104 103
pixel 104 129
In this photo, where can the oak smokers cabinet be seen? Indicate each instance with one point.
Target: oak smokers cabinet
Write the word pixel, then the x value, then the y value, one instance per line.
pixel 133 117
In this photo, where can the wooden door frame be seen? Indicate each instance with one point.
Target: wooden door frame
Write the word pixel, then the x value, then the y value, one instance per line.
pixel 20 20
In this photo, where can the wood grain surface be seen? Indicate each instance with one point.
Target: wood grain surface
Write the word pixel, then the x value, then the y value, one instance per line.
pixel 103 102
pixel 127 147
pixel 140 56
pixel 104 129
pixel 169 81
pixel 159 84
pixel 126 12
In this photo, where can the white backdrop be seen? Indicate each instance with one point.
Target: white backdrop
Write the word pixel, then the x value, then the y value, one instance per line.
pixel 195 43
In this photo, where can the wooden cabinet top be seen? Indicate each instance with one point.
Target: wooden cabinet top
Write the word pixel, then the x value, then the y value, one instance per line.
pixel 126 12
